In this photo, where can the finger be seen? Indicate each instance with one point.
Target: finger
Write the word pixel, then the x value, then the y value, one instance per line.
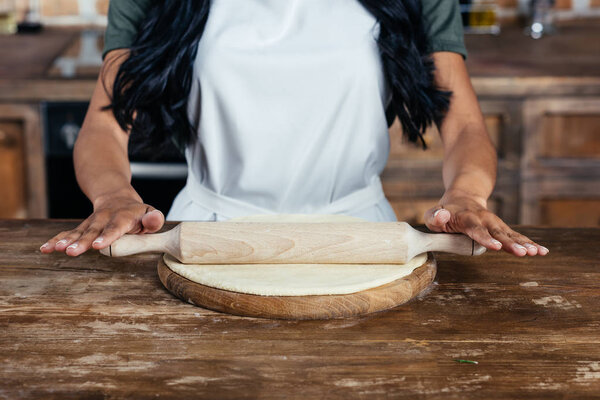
pixel 471 224
pixel 85 240
pixel 48 247
pixel 153 220
pixel 542 251
pixel 63 239
pixel 532 247
pixel 436 218
pixel 119 225
pixel 508 244
pixel 495 224
pixel 519 239
pixel 482 236
pixel 67 239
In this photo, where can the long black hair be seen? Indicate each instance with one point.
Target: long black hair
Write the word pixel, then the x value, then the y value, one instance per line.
pixel 151 88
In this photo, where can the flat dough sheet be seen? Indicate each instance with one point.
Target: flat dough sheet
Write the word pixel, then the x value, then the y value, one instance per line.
pixel 295 279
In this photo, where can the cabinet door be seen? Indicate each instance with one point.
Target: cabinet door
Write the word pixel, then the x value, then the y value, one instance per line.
pixel 572 202
pixel 570 212
pixel 22 189
pixel 561 163
pixel 13 203
pixel 561 137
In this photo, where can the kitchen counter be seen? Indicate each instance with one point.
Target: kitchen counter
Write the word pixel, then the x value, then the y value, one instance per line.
pixel 509 64
pixel 96 327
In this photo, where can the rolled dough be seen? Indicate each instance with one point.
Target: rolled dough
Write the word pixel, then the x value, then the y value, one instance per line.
pixel 295 279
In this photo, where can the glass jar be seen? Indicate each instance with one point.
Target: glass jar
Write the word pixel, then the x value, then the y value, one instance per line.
pixel 8 16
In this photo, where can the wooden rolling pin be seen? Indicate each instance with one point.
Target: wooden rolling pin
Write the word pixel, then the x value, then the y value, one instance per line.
pixel 293 243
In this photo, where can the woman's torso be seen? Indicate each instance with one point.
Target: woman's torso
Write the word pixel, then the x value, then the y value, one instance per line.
pixel 288 101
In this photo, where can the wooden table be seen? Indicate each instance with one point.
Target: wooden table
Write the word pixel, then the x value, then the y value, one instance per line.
pixel 94 327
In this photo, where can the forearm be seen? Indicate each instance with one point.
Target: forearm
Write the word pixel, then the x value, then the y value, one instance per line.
pixel 469 169
pixel 470 163
pixel 102 167
pixel 469 155
pixel 100 154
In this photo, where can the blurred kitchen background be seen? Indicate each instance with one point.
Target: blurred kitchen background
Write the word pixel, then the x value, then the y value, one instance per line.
pixel 535 66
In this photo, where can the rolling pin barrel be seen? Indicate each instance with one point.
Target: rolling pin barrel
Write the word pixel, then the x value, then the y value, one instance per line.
pixel 300 243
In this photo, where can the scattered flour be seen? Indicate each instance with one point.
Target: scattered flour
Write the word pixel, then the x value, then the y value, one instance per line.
pixel 528 284
pixel 589 373
pixel 557 302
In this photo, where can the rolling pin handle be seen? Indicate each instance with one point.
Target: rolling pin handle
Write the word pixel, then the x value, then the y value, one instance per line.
pixel 143 243
pixel 455 243
pixel 107 251
pixel 477 249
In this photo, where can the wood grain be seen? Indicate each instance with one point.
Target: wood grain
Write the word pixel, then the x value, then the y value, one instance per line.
pixel 301 307
pixel 293 243
pixel 96 327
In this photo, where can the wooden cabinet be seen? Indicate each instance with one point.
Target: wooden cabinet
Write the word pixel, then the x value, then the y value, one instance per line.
pixel 412 179
pixel 13 202
pixel 548 163
pixel 561 162
pixel 22 182
pixel 541 107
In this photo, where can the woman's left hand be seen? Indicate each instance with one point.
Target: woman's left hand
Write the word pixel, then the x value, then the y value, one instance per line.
pixel 463 213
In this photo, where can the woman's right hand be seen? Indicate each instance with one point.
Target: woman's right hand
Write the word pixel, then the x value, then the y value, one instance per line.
pixel 113 216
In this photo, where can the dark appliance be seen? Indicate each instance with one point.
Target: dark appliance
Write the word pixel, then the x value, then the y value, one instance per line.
pixel 156 180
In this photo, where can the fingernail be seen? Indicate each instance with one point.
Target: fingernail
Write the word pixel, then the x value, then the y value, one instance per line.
pixel 62 241
pixel 73 246
pixel 519 247
pixel 496 242
pixel 437 212
pixel 528 245
pixel 99 240
pixel 44 246
pixel 545 250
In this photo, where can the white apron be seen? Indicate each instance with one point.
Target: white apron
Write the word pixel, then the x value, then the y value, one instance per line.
pixel 288 100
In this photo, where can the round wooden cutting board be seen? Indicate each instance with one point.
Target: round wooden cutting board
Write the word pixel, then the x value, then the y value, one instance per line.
pixel 301 307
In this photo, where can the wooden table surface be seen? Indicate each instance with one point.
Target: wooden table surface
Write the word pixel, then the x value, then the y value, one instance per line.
pixel 94 327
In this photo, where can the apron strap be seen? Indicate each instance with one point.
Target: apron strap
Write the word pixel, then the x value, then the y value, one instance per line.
pixel 230 207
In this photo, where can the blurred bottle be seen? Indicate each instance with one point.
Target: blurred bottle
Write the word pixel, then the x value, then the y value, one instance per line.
pixel 541 18
pixel 8 16
pixel 31 21
pixel 480 16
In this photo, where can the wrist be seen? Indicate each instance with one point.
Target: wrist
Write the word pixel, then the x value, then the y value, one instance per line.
pixel 451 194
pixel 127 193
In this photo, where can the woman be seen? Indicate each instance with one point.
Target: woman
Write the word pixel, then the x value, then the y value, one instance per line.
pixel 283 106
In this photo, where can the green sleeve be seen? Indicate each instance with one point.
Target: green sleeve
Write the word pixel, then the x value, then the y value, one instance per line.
pixel 443 25
pixel 124 18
